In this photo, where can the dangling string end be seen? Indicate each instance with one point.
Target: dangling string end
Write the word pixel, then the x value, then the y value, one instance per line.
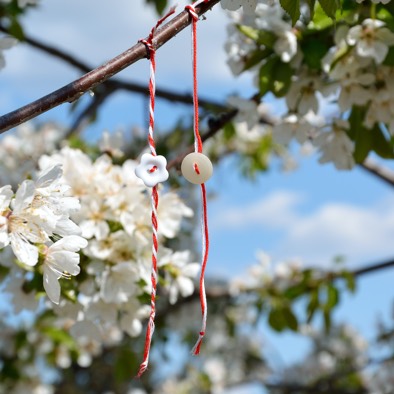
pixel 197 346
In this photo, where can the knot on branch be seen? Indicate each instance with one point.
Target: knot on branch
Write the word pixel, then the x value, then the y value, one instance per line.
pixel 150 49
pixel 149 41
pixel 192 11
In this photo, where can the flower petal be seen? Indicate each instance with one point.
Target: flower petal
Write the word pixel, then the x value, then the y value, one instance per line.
pixel 24 196
pixel 5 197
pixel 65 261
pixel 49 175
pixel 23 250
pixel 51 284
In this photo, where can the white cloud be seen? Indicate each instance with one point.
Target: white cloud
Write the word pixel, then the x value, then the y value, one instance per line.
pixel 361 233
pixel 275 210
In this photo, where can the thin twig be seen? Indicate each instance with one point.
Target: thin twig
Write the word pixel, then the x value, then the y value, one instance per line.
pixel 89 111
pixel 382 173
pixel 220 291
pixel 215 125
pixel 89 81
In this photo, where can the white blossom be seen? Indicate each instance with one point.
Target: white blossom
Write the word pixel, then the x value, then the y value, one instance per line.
pixel 171 212
pixel 6 194
pixel 336 146
pixel 179 274
pixel 112 143
pixel 291 127
pixel 237 47
pixel 98 310
pixel 39 210
pixel 286 45
pixel 61 260
pixel 270 17
pixel 371 39
pixel 5 43
pixel 132 314
pixel 303 93
pixel 247 110
pixel 119 283
pixel 20 299
pixel 249 6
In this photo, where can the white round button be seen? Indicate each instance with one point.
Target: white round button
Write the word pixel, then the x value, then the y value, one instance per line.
pixel 196 168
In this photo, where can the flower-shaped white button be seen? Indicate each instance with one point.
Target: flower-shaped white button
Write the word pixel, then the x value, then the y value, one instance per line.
pixel 152 169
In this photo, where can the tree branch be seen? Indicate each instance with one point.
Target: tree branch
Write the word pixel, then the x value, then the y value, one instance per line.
pixel 76 89
pixel 382 173
pixel 220 291
pixel 373 268
pixel 325 383
pixel 115 84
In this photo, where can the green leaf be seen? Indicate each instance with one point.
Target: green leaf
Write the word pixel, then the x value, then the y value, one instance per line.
pixel 229 131
pixel 329 7
pixel 290 318
pixel 282 317
pixel 125 362
pixel 363 145
pixel 277 320
pixel 60 336
pixel 332 296
pixel 265 81
pixel 159 4
pixel 266 38
pixel 313 305
pixel 281 78
pixel 249 32
pixel 275 76
pixel 10 369
pixel 361 136
pixel 382 146
pixel 350 281
pixel 16 30
pixel 255 57
pixel 261 37
pixel 327 320
pixel 320 20
pixel 295 291
pixel 389 59
pixel 314 50
pixel 311 4
pixel 292 7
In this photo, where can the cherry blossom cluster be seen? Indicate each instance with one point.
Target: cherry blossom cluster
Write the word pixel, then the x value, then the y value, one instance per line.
pixel 21 150
pixel 342 346
pixel 80 230
pixel 32 222
pixel 355 72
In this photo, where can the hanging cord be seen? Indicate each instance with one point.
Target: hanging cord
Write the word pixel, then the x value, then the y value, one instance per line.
pixel 154 196
pixel 198 149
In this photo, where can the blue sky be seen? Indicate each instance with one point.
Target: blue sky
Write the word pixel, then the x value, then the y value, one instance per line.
pixel 313 213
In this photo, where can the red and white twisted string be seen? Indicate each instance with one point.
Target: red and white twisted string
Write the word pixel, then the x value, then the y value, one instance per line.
pixel 198 148
pixel 154 195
